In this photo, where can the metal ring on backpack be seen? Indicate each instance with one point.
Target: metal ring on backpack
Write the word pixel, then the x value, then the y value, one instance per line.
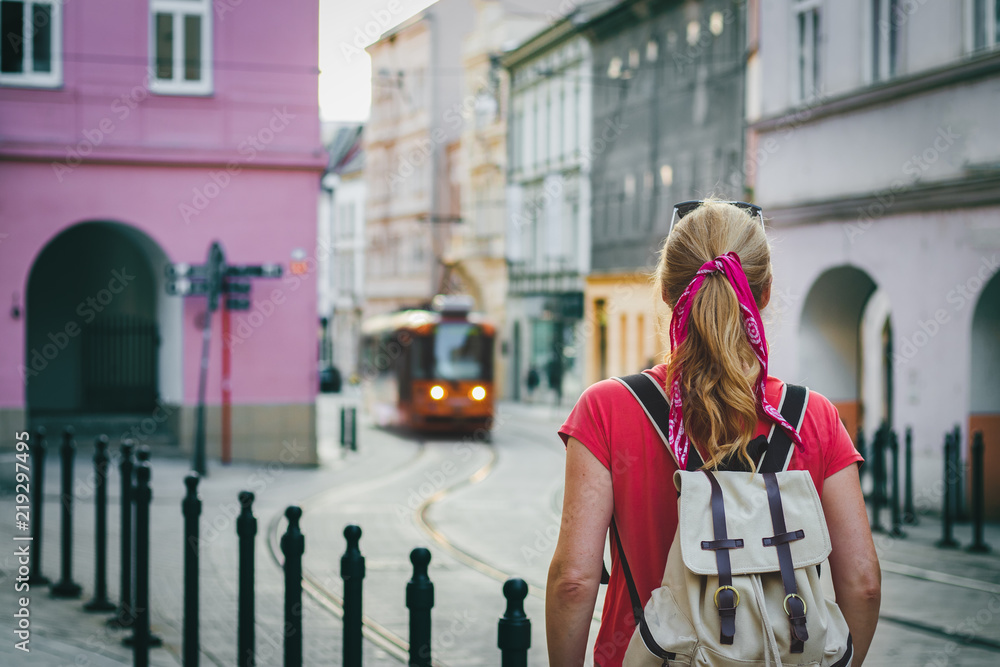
pixel 736 592
pixel 784 603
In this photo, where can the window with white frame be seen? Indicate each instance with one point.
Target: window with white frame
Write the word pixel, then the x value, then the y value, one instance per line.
pixel 985 24
pixel 180 47
pixel 885 25
pixel 808 42
pixel 31 51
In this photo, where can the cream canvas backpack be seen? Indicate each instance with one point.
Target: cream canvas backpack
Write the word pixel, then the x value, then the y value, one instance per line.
pixel 742 580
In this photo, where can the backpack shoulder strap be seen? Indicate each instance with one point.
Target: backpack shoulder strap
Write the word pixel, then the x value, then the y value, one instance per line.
pixel 650 395
pixel 637 611
pixel 777 456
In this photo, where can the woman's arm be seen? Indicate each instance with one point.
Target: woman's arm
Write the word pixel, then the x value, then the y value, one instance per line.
pixel 575 572
pixel 857 577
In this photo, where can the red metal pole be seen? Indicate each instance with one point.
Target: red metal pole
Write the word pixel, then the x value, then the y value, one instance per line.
pixel 226 387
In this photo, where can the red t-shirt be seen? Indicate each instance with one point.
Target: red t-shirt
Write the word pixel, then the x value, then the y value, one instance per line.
pixel 609 422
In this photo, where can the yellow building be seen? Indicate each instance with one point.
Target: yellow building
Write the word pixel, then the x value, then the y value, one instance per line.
pixel 476 253
pixel 622 324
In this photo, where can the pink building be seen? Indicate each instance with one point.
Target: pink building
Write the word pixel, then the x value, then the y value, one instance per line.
pixel 132 135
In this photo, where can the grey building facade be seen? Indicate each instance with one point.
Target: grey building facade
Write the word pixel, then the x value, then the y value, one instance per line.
pixel 668 98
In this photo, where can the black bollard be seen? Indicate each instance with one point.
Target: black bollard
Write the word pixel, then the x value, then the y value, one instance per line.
pixel 514 628
pixel 142 497
pixel 354 429
pixel 37 507
pixel 100 601
pixel 125 614
pixel 897 517
pixel 293 545
pixel 141 531
pixel 191 507
pixel 66 587
pixel 246 529
pixel 958 488
pixel 878 477
pixel 420 601
pixel 978 545
pixel 947 541
pixel 909 516
pixel 142 455
pixel 352 571
pixel 343 426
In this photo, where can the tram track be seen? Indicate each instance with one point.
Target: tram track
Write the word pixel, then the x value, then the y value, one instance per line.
pixel 379 635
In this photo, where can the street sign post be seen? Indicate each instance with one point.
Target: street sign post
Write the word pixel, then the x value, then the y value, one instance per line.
pixel 213 279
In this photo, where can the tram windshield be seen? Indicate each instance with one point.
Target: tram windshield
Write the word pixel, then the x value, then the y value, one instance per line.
pixel 461 352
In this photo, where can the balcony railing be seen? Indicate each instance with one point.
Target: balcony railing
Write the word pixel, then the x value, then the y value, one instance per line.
pixel 544 276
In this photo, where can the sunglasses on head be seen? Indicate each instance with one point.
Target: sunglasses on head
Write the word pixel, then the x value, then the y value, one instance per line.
pixel 683 208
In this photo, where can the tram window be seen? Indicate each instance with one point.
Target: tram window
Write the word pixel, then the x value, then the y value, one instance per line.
pixel 460 352
pixel 421 357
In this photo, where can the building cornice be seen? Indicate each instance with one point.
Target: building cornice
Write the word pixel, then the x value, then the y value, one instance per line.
pixel 571 25
pixel 200 159
pixel 978 188
pixel 539 43
pixel 952 74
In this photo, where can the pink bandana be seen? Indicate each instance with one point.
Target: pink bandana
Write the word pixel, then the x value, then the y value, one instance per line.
pixel 730 265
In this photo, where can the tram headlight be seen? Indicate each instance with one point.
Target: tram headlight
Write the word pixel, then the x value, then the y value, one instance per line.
pixel 478 393
pixel 437 392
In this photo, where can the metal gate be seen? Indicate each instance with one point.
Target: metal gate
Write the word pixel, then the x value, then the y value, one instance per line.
pixel 119 364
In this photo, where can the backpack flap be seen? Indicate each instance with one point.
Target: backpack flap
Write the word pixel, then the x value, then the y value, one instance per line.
pixel 749 522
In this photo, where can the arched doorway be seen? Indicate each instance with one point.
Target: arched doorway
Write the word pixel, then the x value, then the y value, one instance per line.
pixel 845 346
pixel 102 338
pixel 985 389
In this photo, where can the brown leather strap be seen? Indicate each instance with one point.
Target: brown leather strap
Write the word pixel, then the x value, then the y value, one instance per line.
pixel 710 545
pixel 783 538
pixel 637 612
pixel 725 596
pixel 793 603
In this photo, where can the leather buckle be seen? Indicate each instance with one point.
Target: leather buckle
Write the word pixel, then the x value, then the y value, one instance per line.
pixel 784 603
pixel 735 592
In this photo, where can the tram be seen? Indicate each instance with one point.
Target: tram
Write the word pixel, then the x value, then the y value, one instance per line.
pixel 430 370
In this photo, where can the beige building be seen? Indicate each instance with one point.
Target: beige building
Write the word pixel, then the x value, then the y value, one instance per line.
pixel 416 118
pixel 475 256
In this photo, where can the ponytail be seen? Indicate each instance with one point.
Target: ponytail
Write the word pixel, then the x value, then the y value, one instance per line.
pixel 720 407
pixel 714 371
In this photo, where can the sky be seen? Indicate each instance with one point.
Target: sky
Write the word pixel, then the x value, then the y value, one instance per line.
pixel 346 27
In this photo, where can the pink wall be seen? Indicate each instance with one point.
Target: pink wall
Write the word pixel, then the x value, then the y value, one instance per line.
pixel 263 58
pixel 159 163
pixel 258 218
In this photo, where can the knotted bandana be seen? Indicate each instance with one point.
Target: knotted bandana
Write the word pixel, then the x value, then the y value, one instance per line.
pixel 729 264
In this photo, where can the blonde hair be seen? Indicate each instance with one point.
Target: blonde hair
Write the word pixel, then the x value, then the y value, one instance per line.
pixel 719 366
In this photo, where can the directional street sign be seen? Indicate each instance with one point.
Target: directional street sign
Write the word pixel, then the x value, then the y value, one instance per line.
pixel 255 270
pixel 233 287
pixel 187 287
pixel 238 304
pixel 214 279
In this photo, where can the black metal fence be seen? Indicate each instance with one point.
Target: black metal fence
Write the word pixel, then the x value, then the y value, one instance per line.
pixel 890 486
pixel 133 610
